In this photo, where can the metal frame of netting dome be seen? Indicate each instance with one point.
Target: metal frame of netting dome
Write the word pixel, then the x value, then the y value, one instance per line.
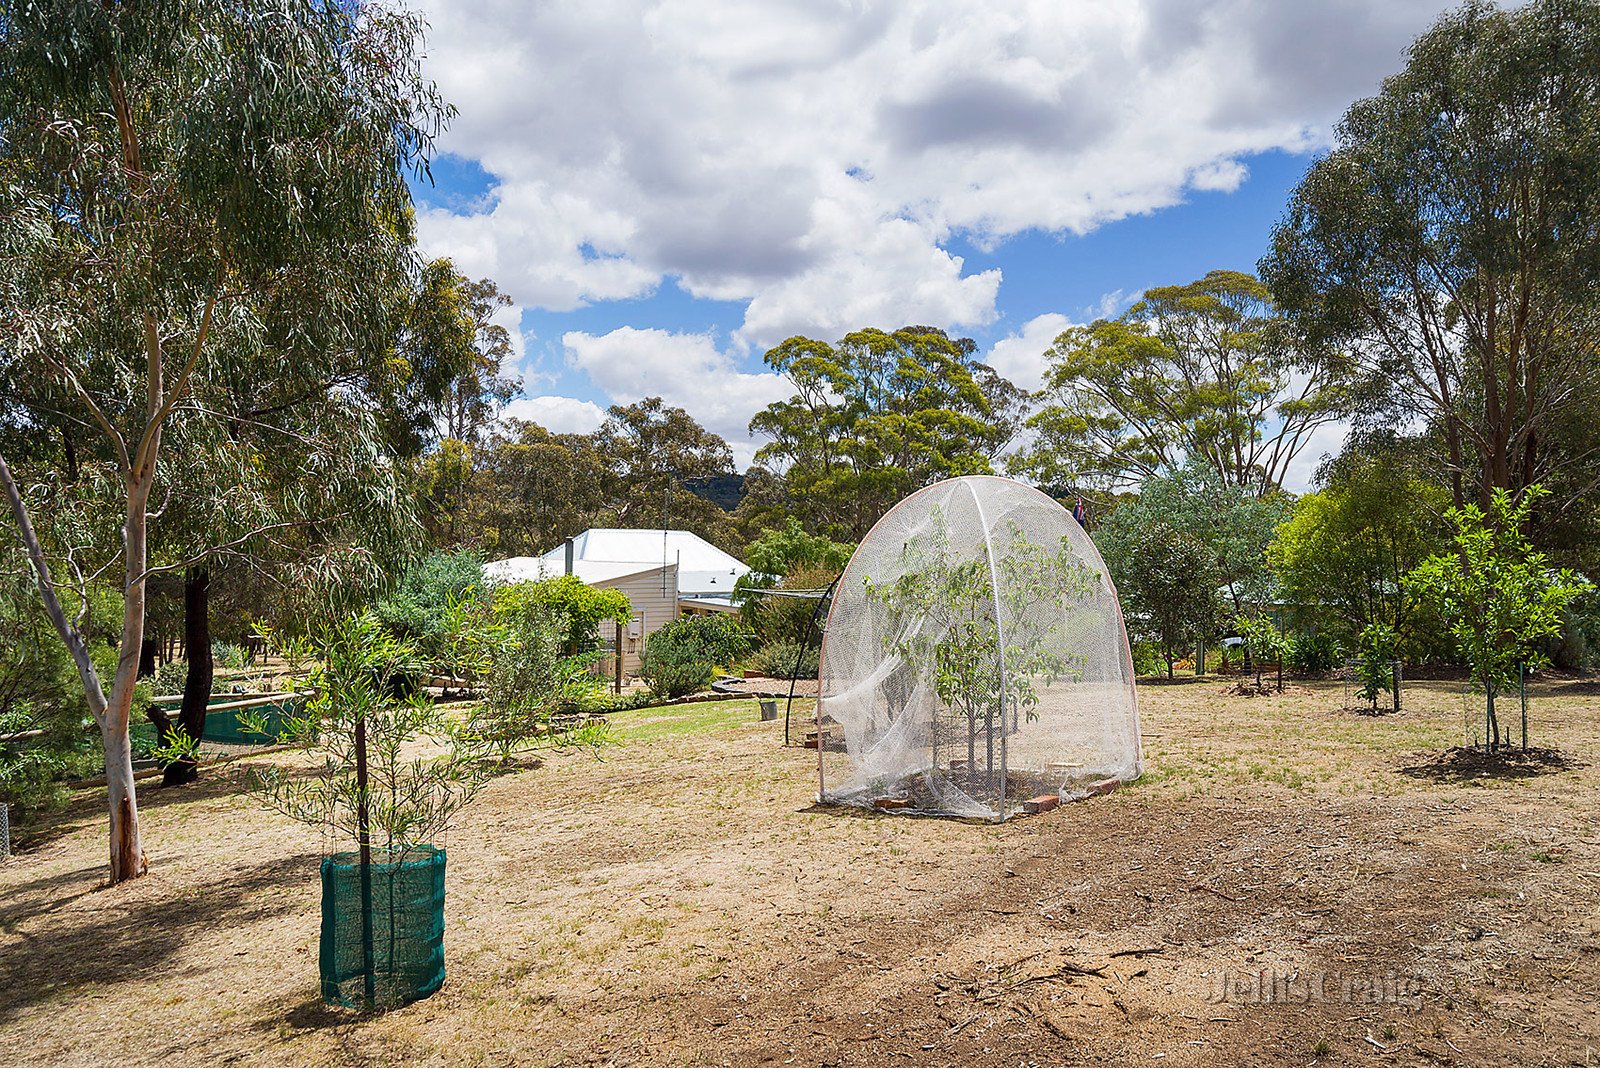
pixel 975 659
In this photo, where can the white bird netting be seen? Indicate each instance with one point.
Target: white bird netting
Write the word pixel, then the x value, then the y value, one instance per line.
pixel 974 659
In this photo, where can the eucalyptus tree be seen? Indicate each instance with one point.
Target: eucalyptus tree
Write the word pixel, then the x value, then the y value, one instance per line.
pixel 1451 242
pixel 302 501
pixel 878 415
pixel 1208 371
pixel 185 186
pixel 654 456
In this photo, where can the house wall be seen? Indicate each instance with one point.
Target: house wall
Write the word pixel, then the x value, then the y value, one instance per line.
pixel 653 607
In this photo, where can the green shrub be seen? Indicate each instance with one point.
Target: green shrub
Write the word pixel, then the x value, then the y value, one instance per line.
pixel 530 682
pixel 777 660
pixel 582 608
pixel 1374 668
pixel 1313 653
pixel 228 655
pixel 681 657
pixel 1147 659
pixel 170 677
pixel 40 692
pixel 416 612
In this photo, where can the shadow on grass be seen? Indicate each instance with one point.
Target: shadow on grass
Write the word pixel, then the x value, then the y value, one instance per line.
pixel 131 938
pixel 1469 763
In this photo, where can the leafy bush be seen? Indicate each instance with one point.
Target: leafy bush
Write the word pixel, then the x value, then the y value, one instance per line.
pixel 1147 659
pixel 581 607
pixel 531 682
pixel 681 657
pixel 1374 667
pixel 40 692
pixel 416 612
pixel 1313 653
pixel 228 655
pixel 169 677
pixel 777 660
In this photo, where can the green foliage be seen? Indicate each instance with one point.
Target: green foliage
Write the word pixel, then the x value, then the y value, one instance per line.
pixel 1313 652
pixel 1499 595
pixel 878 415
pixel 419 610
pixel 680 657
pixel 1265 641
pixel 1150 658
pixel 778 660
pixel 786 557
pixel 409 797
pixel 651 452
pixel 1374 668
pixel 1345 551
pixel 1207 371
pixel 785 550
pixel 1450 241
pixel 580 607
pixel 42 701
pixel 954 599
pixel 1233 524
pixel 1166 578
pixel 530 681
pixel 228 655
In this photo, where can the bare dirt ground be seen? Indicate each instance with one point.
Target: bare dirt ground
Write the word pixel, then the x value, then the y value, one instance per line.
pixel 1290 884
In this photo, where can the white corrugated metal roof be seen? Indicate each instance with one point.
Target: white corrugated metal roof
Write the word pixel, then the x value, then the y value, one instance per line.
pixel 534 568
pixel 605 553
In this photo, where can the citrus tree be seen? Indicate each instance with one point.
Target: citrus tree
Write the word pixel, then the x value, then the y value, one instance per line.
pixel 982 629
pixel 1499 595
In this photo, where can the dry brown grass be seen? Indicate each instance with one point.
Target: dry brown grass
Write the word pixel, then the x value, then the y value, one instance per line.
pixel 682 901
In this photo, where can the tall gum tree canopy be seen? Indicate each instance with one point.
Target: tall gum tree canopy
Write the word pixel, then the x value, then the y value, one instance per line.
pixel 878 415
pixel 189 190
pixel 1451 241
pixel 1208 370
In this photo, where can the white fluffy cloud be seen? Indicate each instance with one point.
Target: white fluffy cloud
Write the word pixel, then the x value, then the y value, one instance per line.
pixel 1021 356
pixel 560 415
pixel 813 160
pixel 685 370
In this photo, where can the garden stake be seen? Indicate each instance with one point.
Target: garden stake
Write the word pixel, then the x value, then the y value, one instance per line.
pixel 364 836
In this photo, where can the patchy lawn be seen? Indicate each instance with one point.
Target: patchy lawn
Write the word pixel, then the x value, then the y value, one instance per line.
pixel 1290 883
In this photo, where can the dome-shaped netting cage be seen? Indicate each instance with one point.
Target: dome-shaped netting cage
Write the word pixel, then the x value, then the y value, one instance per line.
pixel 975 659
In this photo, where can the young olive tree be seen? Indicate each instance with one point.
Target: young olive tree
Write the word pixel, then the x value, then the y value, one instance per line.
pixel 187 185
pixel 358 717
pixel 1498 594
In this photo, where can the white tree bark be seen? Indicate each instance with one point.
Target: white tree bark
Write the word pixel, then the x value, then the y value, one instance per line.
pixel 127 848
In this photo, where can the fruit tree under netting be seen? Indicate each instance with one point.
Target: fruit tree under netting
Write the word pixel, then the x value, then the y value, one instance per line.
pixel 974 658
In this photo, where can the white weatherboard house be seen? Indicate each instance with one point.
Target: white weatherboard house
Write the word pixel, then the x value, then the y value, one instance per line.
pixel 664 573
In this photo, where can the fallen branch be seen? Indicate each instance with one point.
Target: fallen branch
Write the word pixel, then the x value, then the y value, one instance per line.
pixel 1136 952
pixel 1211 890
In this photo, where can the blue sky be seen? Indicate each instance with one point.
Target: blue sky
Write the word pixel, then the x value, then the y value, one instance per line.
pixel 666 188
pixel 1082 276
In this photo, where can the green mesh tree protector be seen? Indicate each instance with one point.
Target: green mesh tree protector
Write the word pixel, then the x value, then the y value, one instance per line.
pixel 407 925
pixel 974 659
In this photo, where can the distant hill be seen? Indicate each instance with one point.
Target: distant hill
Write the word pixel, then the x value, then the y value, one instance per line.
pixel 724 491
